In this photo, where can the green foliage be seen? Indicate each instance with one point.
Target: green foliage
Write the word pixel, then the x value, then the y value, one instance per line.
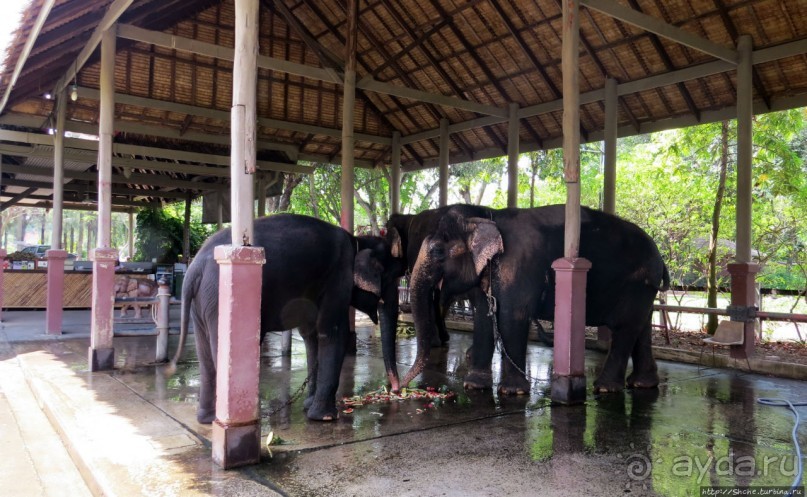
pixel 160 236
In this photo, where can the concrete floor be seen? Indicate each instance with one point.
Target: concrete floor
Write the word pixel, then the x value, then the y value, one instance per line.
pixel 133 431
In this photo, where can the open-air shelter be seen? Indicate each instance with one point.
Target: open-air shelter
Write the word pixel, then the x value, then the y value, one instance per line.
pixel 132 102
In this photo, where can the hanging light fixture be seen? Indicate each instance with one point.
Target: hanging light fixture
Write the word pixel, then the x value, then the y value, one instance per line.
pixel 74 86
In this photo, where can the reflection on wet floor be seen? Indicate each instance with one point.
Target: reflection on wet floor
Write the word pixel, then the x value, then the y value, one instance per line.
pixel 699 428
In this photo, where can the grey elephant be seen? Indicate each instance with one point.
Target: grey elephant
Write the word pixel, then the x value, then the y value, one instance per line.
pixel 314 272
pixel 405 234
pixel 509 252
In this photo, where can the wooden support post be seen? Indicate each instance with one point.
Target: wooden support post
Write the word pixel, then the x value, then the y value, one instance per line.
pixel 609 169
pixel 101 353
pixel 186 231
pixel 237 427
pixel 512 157
pixel 395 173
pixel 2 258
pixel 443 162
pixel 261 193
pixel 743 272
pixel 744 148
pixel 219 211
pixel 568 379
pixel 131 235
pixel 56 256
pixel 348 104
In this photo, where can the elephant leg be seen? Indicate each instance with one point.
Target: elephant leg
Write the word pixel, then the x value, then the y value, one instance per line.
pixel 136 308
pixel 206 350
pixel 645 371
pixel 440 338
pixel 612 376
pixel 514 332
pixel 309 334
pixel 332 328
pixel 479 376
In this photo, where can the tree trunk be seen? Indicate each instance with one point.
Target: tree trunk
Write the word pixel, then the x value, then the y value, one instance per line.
pixel 534 173
pixel 312 191
pixel 465 193
pixel 711 285
pixel 290 182
pixel 186 232
pixel 371 210
pixel 80 245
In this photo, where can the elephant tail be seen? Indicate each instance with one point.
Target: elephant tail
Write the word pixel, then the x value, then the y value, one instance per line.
pixel 187 297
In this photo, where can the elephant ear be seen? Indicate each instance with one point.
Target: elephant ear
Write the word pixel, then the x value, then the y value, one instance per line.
pixel 484 240
pixel 394 239
pixel 367 272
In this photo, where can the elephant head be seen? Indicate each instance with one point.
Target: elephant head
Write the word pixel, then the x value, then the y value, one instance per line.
pixel 375 275
pixel 367 275
pixel 452 259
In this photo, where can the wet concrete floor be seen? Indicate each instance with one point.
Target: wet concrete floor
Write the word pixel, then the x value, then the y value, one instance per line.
pixel 701 427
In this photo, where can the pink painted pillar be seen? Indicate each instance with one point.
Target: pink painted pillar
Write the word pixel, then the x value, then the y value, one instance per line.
pixel 743 294
pixel 2 268
pixel 237 428
pixel 568 377
pixel 101 352
pixel 53 314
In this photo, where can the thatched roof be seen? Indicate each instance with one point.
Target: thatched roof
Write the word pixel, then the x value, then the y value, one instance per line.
pixel 483 54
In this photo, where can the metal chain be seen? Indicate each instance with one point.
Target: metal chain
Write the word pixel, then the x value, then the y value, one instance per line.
pixel 497 336
pixel 292 400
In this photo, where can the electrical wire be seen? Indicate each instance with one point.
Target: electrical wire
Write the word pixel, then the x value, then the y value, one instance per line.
pixel 794 434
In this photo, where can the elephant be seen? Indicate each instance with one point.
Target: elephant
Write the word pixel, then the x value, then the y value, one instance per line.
pixel 128 287
pixel 314 272
pixel 405 233
pixel 509 253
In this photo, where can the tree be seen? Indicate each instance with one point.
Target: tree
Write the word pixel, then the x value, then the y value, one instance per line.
pixel 160 236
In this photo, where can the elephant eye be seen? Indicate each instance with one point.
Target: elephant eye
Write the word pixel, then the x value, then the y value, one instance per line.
pixel 456 250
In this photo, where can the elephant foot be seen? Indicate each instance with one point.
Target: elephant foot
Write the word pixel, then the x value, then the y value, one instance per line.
pixel 643 380
pixel 307 402
pixel 319 412
pixel 205 416
pixel 608 386
pixel 517 385
pixel 478 380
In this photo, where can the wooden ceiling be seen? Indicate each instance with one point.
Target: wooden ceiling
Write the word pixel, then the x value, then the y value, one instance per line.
pixel 419 62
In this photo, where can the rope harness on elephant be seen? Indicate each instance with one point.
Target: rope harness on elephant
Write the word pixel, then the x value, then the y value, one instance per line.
pixel 497 336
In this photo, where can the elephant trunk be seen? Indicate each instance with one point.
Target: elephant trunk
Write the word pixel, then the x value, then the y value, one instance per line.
pixel 425 276
pixel 388 318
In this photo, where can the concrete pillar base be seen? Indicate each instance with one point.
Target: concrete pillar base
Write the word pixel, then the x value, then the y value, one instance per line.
pixel 103 308
pixel 236 445
pixel 743 294
pixel 568 389
pixel 568 380
pixel 55 303
pixel 236 432
pixel 101 359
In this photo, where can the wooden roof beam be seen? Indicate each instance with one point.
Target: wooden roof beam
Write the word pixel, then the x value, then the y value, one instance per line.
pixel 134 179
pixel 168 155
pixel 29 45
pixel 115 10
pixel 687 74
pixel 82 188
pixel 661 28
